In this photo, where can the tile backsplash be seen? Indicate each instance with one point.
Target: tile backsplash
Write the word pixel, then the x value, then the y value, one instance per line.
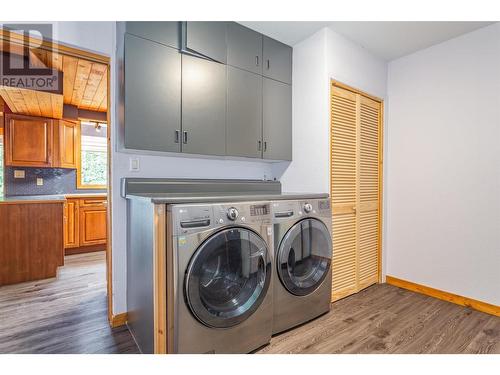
pixel 55 181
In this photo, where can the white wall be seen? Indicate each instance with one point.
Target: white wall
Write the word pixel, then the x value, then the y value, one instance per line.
pixel 316 60
pixel 443 201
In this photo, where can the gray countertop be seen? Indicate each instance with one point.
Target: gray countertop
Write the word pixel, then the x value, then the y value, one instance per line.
pixel 176 198
pixel 45 198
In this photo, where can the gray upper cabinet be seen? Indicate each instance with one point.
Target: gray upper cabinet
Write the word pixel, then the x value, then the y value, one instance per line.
pixel 277 60
pixel 244 48
pixel 277 120
pixel 205 38
pixel 167 33
pixel 152 95
pixel 203 106
pixel 244 113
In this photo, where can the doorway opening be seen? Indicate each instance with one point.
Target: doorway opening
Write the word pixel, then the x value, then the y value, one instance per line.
pixel 55 151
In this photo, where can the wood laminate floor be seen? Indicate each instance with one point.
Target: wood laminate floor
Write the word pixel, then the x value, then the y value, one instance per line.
pixel 63 315
pixel 69 315
pixel 387 319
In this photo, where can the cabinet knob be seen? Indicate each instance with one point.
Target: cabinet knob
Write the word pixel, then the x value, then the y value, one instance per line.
pixel 257 60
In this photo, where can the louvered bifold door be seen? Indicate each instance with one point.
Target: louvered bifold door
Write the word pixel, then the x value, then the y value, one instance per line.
pixel 344 193
pixel 368 203
pixel 355 191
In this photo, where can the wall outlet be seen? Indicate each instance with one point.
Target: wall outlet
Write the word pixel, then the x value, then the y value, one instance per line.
pixel 39 181
pixel 19 173
pixel 134 165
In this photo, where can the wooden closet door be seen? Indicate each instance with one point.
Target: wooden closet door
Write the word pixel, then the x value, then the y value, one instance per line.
pixel 355 191
pixel 344 148
pixel 368 200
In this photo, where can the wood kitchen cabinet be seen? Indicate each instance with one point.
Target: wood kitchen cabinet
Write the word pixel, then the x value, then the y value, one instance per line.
pixel 40 142
pixel 71 227
pixel 28 141
pixel 65 147
pixel 85 221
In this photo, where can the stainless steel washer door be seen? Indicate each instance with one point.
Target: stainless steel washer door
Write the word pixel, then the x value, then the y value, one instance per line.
pixel 304 256
pixel 228 277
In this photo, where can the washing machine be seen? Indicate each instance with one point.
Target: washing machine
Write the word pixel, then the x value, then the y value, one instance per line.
pixel 303 255
pixel 223 261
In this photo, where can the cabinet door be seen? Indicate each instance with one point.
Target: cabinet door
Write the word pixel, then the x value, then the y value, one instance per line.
pixel 244 48
pixel 163 32
pixel 28 141
pixel 277 60
pixel 206 38
pixel 277 120
pixel 152 95
pixel 93 223
pixel 71 227
pixel 244 113
pixel 65 138
pixel 203 106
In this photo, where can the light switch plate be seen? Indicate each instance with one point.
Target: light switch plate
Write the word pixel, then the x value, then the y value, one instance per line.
pixel 39 181
pixel 134 165
pixel 19 173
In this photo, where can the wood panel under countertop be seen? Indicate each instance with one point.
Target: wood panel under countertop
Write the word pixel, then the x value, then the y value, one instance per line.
pixel 31 241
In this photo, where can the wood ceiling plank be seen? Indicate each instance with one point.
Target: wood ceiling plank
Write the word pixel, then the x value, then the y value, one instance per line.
pixel 7 99
pixel 45 103
pixel 57 61
pixel 70 65
pixel 103 105
pixel 31 100
pixel 17 98
pixel 38 58
pixel 82 73
pixel 101 93
pixel 96 76
pixel 57 106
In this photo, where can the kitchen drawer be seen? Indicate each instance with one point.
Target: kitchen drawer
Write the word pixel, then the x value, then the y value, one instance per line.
pixel 93 202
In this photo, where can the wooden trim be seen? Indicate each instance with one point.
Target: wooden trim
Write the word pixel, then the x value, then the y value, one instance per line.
pixel 84 249
pixel 355 90
pixel 109 252
pixel 159 280
pixel 445 296
pixel 118 320
pixel 52 46
pixel 381 188
pixel 78 148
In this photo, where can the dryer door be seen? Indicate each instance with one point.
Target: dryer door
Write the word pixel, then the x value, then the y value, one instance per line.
pixel 304 256
pixel 228 277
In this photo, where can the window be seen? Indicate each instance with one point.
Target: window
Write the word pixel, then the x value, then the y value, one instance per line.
pixel 93 166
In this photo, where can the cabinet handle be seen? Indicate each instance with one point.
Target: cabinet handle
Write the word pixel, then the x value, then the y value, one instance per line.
pixel 265 146
pixel 185 134
pixel 260 146
pixel 268 64
pixel 257 60
pixel 177 136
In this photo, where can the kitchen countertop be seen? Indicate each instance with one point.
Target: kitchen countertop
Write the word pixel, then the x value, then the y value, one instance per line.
pixel 176 198
pixel 56 198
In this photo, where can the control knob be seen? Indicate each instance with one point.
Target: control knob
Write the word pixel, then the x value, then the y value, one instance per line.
pixel 308 208
pixel 232 213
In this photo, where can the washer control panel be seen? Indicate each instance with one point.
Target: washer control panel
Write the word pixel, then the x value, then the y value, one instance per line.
pixel 192 218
